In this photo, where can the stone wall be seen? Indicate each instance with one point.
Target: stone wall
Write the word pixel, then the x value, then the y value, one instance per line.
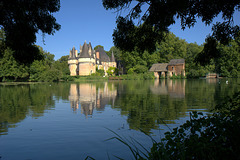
pixel 84 68
pixel 176 69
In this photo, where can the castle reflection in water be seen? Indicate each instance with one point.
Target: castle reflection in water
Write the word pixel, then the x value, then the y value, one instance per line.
pixel 95 96
pixel 91 96
pixel 173 88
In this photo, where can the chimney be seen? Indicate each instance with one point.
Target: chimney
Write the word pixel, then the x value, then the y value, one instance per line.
pixel 97 54
pixel 70 54
pixel 76 54
pixel 80 48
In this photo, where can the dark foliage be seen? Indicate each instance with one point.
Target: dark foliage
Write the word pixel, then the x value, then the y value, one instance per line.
pixel 159 15
pixel 207 137
pixel 22 19
pixel 209 51
pixel 202 137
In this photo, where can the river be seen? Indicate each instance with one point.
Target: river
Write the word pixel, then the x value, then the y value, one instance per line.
pixel 76 120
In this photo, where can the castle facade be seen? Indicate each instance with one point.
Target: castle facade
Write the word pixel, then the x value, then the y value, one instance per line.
pixel 87 60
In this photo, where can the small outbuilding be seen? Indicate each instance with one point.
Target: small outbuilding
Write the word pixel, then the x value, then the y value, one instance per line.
pixel 159 69
pixel 174 67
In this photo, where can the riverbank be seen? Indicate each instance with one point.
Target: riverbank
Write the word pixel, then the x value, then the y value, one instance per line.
pixel 18 83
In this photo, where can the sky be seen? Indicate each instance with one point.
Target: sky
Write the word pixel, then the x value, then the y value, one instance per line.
pixel 87 20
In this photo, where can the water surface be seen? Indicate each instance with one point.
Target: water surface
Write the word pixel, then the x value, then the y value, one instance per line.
pixel 73 120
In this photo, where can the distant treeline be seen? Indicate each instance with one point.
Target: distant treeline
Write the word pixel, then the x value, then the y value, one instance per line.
pixel 198 61
pixel 45 70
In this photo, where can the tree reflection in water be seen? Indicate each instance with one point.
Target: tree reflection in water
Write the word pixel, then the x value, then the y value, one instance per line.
pixel 146 104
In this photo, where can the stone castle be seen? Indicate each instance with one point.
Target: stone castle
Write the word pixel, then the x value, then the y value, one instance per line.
pixel 87 60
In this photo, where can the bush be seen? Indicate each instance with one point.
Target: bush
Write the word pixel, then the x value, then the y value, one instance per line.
pixel 112 71
pixel 99 72
pixel 208 137
pixel 67 78
pixel 51 75
pixel 213 137
pixel 134 76
pixel 140 69
pixel 177 76
pixel 148 75
pixel 130 71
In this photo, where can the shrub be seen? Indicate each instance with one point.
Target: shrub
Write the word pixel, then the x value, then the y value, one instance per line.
pixel 140 69
pixel 112 71
pixel 130 71
pixel 51 75
pixel 214 136
pixel 207 137
pixel 99 72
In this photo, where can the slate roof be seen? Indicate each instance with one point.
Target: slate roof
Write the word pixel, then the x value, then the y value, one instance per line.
pixel 72 54
pixel 112 58
pixel 176 61
pixel 92 51
pixel 103 57
pixel 159 67
pixel 84 53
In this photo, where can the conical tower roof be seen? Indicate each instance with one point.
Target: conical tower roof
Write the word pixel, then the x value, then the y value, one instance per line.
pixel 112 57
pixel 84 53
pixel 90 47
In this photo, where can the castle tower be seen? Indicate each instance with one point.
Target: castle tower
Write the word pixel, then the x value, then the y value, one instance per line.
pixel 113 61
pixel 90 50
pixel 86 62
pixel 72 62
pixel 112 57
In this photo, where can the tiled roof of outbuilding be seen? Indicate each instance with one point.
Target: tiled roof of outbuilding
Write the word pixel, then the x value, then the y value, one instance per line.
pixel 159 67
pixel 176 61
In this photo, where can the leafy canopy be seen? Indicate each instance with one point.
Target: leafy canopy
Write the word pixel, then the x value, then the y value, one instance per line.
pixel 21 20
pixel 155 16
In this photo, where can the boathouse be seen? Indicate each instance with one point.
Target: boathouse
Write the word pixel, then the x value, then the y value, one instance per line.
pixel 174 67
pixel 159 69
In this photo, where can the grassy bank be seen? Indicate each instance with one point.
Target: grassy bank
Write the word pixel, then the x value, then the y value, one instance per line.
pixel 143 76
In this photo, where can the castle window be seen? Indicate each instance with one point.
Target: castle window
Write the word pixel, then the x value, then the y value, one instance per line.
pixel 172 68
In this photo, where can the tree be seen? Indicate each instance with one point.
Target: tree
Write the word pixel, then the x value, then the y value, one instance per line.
pixel 23 21
pixel 62 66
pixel 10 69
pixel 48 69
pixel 96 47
pixel 228 62
pixel 116 52
pixel 172 48
pixel 159 15
pixel 63 59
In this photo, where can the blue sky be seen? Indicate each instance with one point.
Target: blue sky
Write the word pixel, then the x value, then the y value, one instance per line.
pixel 87 20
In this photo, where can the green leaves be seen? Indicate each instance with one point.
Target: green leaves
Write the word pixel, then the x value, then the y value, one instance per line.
pixel 10 69
pixel 23 21
pixel 40 70
pixel 204 137
pixel 146 21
